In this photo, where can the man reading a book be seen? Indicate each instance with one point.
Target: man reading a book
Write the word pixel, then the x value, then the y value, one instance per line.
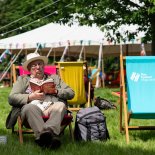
pixel 33 103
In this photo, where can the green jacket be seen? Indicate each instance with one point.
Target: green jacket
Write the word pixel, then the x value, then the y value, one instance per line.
pixel 18 97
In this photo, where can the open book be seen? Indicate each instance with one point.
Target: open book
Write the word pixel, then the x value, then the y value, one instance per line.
pixel 42 105
pixel 48 86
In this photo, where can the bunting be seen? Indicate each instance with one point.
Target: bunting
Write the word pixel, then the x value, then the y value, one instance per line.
pixel 4 55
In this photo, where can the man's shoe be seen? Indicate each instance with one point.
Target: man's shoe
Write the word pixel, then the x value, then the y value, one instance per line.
pixel 38 142
pixel 55 143
pixel 46 138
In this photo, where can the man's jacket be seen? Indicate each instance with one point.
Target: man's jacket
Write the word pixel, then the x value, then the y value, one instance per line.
pixel 18 96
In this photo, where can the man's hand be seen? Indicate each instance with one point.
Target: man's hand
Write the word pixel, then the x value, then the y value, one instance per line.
pixel 37 95
pixel 51 91
pixel 49 88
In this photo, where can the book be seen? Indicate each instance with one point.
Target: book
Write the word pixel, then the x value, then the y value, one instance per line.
pixel 42 105
pixel 47 86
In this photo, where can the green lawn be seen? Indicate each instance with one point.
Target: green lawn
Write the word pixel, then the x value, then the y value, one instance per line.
pixel 141 142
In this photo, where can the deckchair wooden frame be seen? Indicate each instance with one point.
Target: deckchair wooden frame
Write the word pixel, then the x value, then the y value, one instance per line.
pixel 123 106
pixel 20 131
pixel 14 69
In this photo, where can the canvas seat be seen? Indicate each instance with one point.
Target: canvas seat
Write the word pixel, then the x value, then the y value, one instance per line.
pixel 140 84
pixel 73 75
pixel 67 120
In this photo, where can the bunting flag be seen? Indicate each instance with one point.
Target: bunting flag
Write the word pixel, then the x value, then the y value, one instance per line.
pixel 142 52
pixel 39 46
pixel 24 45
pixel 17 45
pixel 43 45
pixel 59 43
pixel 68 41
pixel 8 52
pixel 10 45
pixel 4 55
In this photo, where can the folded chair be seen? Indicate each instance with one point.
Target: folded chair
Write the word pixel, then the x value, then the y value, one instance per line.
pixel 67 120
pixel 73 74
pixel 140 84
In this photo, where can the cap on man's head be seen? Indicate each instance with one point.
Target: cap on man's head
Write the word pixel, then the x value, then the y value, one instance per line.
pixel 32 57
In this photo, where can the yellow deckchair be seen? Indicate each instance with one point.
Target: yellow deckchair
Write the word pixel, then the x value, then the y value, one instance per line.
pixel 73 74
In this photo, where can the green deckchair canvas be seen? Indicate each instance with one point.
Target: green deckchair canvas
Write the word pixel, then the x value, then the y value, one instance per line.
pixel 140 84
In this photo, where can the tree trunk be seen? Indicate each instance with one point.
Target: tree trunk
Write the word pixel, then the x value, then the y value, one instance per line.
pixel 153 34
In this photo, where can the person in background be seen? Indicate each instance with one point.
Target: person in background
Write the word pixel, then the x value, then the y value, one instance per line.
pixel 21 98
pixel 87 79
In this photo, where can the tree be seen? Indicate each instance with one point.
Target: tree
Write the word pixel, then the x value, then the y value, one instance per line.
pixel 107 14
pixel 111 14
pixel 21 16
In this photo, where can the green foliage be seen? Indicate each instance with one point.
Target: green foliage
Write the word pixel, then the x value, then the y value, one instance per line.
pixel 36 12
pixel 111 64
pixel 111 14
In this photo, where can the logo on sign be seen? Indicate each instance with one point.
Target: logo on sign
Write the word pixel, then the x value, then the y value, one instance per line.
pixel 135 76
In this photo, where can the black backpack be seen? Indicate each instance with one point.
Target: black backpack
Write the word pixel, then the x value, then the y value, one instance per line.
pixel 103 103
pixel 90 124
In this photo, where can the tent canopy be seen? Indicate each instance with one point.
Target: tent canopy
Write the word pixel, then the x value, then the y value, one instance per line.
pixel 58 36
pixel 54 34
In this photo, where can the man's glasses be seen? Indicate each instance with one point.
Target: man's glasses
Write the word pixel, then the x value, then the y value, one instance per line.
pixel 34 65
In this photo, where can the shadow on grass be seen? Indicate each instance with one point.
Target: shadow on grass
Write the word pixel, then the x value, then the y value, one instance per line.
pixel 143 135
pixel 69 147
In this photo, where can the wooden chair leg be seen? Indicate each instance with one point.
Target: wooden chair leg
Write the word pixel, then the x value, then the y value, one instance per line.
pixel 20 130
pixel 121 102
pixel 71 131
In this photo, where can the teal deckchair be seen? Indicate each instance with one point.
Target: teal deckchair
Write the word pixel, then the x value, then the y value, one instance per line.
pixel 140 84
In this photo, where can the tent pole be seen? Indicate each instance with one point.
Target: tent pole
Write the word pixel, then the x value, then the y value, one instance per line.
pixel 11 82
pixel 54 56
pixel 49 52
pixel 98 80
pixel 64 53
pixel 25 52
pixel 80 55
pixel 10 65
pixel 84 54
pixel 103 83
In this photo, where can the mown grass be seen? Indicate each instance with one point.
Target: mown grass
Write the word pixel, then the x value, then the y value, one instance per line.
pixel 141 142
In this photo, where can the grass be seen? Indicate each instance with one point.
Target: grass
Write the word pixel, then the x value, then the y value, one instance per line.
pixel 141 142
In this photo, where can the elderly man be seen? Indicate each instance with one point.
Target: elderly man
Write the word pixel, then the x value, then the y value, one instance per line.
pixel 25 101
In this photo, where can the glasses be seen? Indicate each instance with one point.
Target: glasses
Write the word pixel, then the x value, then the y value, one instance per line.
pixel 34 65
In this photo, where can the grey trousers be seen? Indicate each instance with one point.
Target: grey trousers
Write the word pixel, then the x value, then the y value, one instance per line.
pixel 33 115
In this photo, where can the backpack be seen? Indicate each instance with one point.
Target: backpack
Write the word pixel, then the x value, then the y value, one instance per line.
pixel 90 125
pixel 102 103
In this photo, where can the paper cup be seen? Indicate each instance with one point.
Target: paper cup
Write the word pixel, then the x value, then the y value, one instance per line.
pixel 3 139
